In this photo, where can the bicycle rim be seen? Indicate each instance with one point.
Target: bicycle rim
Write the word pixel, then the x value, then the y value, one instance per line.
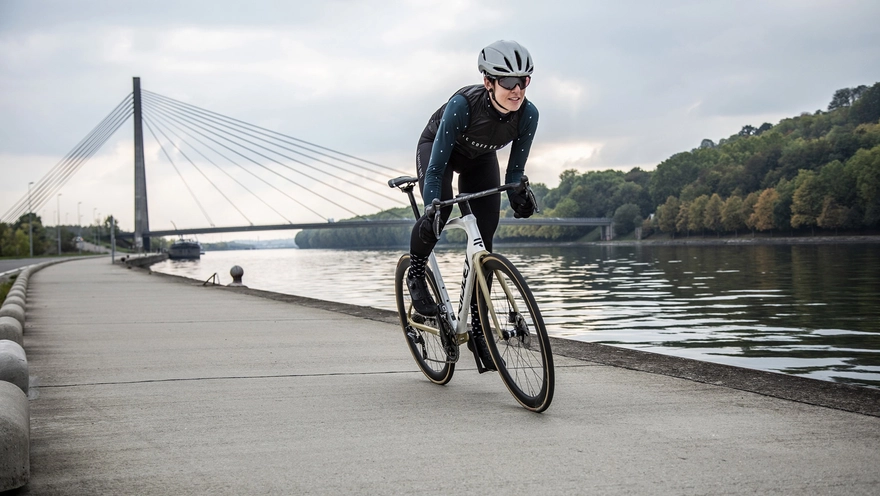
pixel 516 335
pixel 422 333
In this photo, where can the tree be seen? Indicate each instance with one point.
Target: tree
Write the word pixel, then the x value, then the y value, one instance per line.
pixel 762 217
pixel 681 219
pixel 696 213
pixel 712 214
pixel 15 243
pixel 806 205
pixel 865 167
pixel 667 213
pixel 748 210
pixel 732 218
pixel 625 218
pixel 764 127
pixel 833 216
pixel 782 207
pixel 747 130
pixel 842 98
pixel 867 108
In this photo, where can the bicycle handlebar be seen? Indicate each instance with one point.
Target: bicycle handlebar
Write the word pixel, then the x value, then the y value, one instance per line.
pixel 406 184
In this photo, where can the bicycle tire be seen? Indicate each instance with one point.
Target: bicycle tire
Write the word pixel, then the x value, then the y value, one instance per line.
pixel 426 346
pixel 520 349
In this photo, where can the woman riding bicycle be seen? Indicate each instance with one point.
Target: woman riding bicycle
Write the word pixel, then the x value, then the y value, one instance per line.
pixel 463 136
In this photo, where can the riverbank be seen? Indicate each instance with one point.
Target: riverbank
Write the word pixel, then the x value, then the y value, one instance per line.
pixel 710 241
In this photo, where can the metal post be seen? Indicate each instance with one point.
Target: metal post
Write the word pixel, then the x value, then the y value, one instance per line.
pixel 112 240
pixel 30 220
pixel 141 218
pixel 79 229
pixel 58 226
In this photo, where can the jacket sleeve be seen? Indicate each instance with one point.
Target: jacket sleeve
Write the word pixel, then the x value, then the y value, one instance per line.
pixel 455 120
pixel 519 151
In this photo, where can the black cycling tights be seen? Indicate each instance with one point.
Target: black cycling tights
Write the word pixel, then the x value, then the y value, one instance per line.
pixel 474 175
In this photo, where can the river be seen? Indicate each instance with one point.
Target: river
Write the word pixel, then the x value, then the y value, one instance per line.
pixel 808 310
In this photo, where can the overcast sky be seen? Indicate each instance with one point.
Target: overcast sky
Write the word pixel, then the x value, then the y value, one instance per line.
pixel 618 84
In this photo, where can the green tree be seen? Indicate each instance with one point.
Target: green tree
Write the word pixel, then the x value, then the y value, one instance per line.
pixel 712 214
pixel 782 207
pixel 696 213
pixel 732 218
pixel 667 213
pixel 864 166
pixel 626 218
pixel 807 201
pixel 867 108
pixel 842 98
pixel 15 243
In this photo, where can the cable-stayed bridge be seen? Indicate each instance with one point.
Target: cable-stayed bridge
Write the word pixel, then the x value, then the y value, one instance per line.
pixel 244 168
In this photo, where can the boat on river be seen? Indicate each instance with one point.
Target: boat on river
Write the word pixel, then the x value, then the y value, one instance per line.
pixel 185 249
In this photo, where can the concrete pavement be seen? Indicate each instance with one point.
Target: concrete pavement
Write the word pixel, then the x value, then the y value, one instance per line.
pixel 141 384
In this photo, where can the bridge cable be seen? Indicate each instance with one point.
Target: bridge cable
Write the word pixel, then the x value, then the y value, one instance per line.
pixel 204 212
pixel 168 126
pixel 243 130
pixel 44 189
pixel 47 186
pixel 53 181
pixel 285 137
pixel 202 173
pixel 243 168
pixel 269 170
pixel 202 125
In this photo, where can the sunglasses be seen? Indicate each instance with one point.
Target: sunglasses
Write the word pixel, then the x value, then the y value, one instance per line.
pixel 510 82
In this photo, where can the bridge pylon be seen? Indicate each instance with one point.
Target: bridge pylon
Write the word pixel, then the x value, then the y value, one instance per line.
pixel 141 218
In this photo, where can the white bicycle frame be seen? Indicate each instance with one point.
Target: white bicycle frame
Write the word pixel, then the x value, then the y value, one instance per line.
pixel 475 251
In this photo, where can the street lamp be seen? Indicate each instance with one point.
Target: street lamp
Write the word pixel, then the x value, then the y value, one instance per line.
pixel 58 225
pixel 30 220
pixel 79 227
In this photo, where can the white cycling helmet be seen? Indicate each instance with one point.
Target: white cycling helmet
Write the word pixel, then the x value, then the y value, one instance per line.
pixel 505 58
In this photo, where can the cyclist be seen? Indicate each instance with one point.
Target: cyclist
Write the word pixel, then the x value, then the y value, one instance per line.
pixel 463 136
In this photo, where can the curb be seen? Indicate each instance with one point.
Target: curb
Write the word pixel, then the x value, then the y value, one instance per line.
pixel 14 411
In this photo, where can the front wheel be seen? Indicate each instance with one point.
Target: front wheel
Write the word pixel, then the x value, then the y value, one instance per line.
pixel 515 334
pixel 422 333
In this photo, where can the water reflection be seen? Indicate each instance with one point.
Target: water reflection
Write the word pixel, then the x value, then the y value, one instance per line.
pixel 809 310
pixel 806 310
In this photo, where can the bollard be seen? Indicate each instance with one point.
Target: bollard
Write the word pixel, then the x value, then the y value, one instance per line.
pixel 14 311
pixel 14 437
pixel 15 298
pixel 237 272
pixel 13 364
pixel 11 329
pixel 17 292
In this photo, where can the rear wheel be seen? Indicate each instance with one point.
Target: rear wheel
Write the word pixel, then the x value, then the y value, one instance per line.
pixel 422 332
pixel 515 334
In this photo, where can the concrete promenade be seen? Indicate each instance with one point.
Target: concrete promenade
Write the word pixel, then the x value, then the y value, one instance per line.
pixel 147 384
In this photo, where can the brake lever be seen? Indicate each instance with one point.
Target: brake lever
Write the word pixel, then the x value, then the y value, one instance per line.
pixel 436 205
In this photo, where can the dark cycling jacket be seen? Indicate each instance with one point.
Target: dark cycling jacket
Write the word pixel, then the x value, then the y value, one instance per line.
pixel 468 124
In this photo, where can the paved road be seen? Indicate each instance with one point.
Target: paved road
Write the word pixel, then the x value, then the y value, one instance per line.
pixel 141 385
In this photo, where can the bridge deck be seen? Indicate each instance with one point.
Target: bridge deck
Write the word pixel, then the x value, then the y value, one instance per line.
pixel 147 386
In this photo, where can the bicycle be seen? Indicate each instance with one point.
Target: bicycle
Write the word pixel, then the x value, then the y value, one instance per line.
pixel 514 330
